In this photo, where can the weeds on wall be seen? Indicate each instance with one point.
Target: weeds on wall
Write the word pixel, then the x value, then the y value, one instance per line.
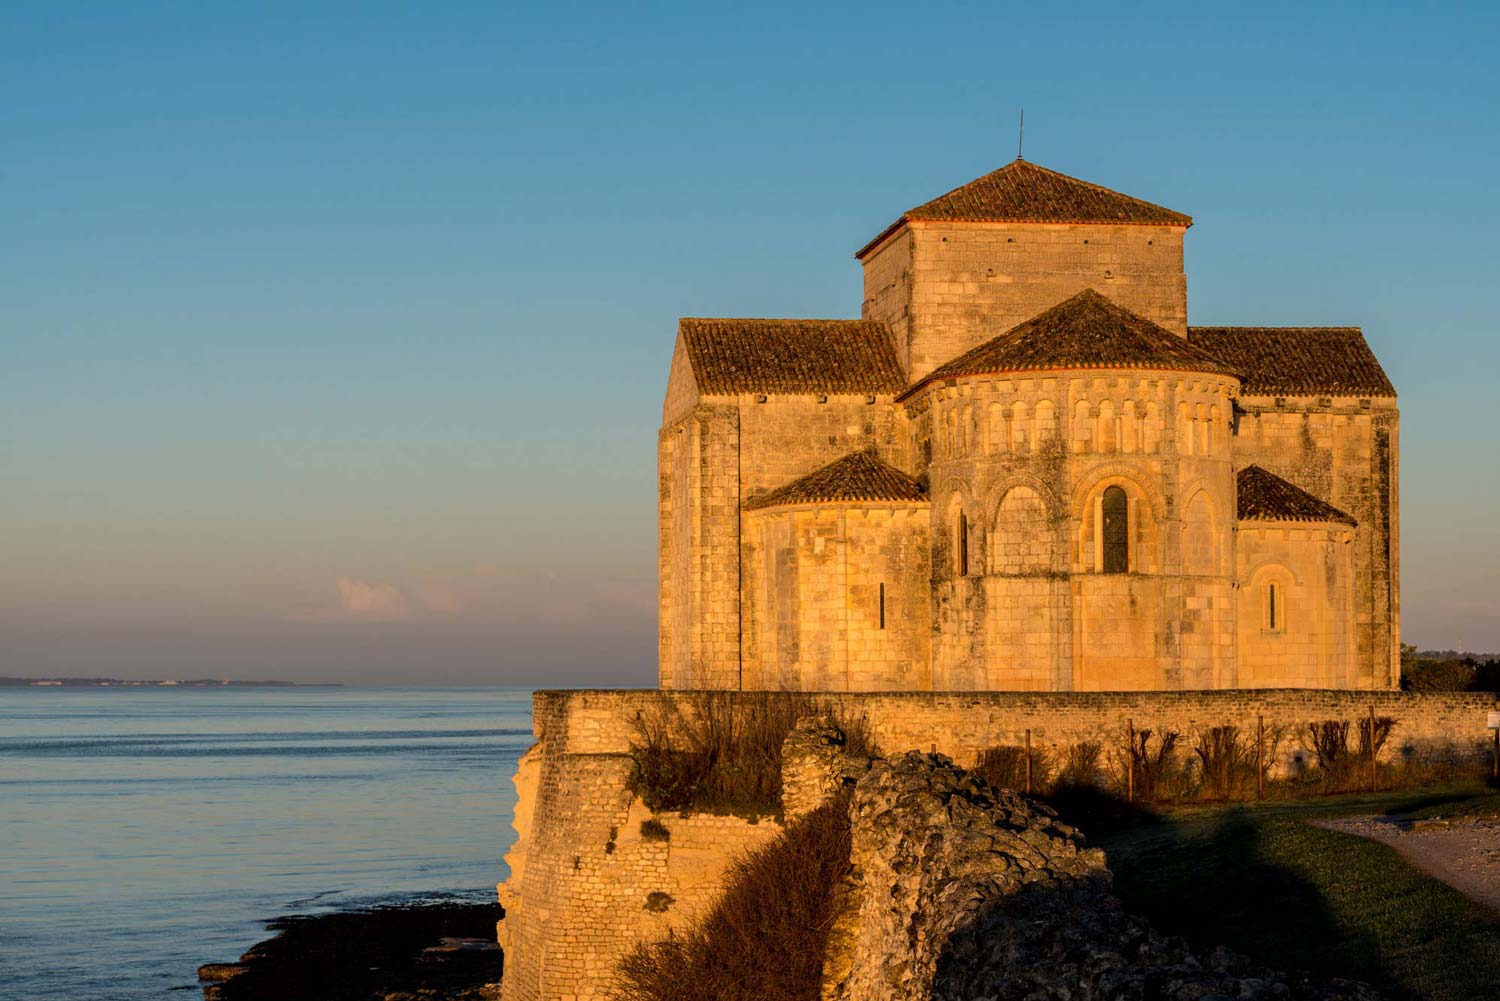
pixel 720 752
pixel 766 938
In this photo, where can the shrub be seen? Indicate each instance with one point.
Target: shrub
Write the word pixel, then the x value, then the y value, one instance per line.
pixel 766 937
pixel 1383 727
pixel 1005 767
pixel 1157 774
pixel 721 751
pixel 1081 765
pixel 1226 762
pixel 654 830
pixel 1330 743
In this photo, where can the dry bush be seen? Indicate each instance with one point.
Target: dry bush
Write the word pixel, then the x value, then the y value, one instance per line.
pixel 1383 727
pixel 1330 743
pixel 720 752
pixel 766 937
pixel 1082 766
pixel 654 830
pixel 1226 763
pixel 1158 775
pixel 1004 767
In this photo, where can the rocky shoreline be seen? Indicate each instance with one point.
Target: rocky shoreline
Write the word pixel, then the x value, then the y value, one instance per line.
pixel 417 952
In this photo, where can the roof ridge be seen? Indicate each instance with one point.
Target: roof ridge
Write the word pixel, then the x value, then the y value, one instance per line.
pixel 1011 351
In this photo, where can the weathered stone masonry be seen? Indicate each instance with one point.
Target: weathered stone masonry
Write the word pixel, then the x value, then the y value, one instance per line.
pixel 1023 361
pixel 586 884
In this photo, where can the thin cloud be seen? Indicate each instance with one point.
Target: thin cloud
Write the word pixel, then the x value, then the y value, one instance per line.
pixel 361 601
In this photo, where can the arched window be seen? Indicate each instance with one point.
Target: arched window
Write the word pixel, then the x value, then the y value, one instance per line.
pixel 1019 428
pixel 1114 530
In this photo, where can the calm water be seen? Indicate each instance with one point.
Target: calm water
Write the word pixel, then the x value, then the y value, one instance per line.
pixel 146 831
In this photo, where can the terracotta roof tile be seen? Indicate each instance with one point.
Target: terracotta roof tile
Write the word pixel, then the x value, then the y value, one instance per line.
pixel 1085 332
pixel 1265 496
pixel 856 477
pixel 1022 191
pixel 791 356
pixel 1297 360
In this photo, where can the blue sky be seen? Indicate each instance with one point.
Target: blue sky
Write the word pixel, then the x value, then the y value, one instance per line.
pixel 333 336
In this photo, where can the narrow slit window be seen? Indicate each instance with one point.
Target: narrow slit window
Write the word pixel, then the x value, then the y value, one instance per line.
pixel 882 605
pixel 1271 606
pixel 963 544
pixel 1115 530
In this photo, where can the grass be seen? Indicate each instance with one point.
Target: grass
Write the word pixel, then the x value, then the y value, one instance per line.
pixel 1486 804
pixel 766 937
pixel 1260 880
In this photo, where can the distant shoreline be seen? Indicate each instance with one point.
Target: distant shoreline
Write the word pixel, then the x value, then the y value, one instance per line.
pixel 154 683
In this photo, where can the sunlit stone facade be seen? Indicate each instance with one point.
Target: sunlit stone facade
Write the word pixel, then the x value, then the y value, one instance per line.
pixel 1023 470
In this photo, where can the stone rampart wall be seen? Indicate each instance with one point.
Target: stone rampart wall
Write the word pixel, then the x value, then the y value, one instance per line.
pixel 961 724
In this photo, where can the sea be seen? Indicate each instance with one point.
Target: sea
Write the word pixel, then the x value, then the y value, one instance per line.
pixel 145 831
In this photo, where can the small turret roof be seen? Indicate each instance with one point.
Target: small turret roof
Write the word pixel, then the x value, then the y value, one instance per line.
pixel 1022 191
pixel 1084 332
pixel 859 476
pixel 1264 496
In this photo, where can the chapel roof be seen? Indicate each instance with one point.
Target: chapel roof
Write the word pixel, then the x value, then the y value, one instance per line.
pixel 859 476
pixel 1087 331
pixel 1297 360
pixel 1264 496
pixel 731 356
pixel 1022 191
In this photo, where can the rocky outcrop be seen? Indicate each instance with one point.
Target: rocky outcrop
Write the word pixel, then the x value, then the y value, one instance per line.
pixel 815 767
pixel 962 892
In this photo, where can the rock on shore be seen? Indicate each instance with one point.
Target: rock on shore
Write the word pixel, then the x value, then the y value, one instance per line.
pixel 431 952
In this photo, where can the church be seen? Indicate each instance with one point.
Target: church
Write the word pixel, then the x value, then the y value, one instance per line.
pixel 1023 469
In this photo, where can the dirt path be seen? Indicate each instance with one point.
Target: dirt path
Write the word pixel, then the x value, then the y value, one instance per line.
pixel 1465 855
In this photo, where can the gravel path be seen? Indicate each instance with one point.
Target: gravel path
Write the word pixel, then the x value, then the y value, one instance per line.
pixel 1465 854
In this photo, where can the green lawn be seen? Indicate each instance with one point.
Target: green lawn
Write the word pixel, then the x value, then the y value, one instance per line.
pixel 1261 881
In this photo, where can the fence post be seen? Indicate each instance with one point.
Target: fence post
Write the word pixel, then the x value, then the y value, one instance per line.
pixel 1260 762
pixel 1028 761
pixel 1130 761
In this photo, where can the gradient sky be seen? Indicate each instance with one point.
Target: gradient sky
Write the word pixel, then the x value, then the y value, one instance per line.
pixel 333 336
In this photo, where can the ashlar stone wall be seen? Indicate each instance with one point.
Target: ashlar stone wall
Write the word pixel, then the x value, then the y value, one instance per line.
pixel 946 287
pixel 836 598
pixel 587 881
pixel 1018 469
pixel 1345 450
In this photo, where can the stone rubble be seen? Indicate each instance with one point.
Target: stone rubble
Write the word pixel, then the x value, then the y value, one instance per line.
pixel 963 892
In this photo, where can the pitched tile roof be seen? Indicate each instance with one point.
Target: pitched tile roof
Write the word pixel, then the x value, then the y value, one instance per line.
pixel 1265 496
pixel 858 476
pixel 1297 360
pixel 1087 331
pixel 1022 191
pixel 791 356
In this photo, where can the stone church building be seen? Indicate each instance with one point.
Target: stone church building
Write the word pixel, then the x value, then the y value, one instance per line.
pixel 1022 468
